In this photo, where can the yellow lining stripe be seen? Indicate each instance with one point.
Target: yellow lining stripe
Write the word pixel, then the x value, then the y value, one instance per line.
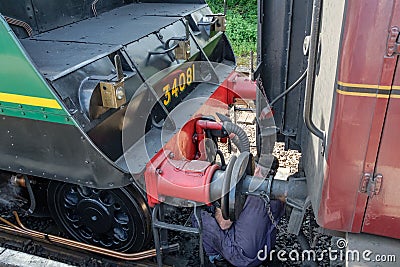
pixel 362 94
pixel 30 100
pixel 368 86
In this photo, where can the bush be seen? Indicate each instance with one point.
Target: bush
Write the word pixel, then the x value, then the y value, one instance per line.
pixel 241 25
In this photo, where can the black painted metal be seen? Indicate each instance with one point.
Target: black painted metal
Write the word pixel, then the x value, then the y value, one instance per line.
pixel 48 12
pixel 99 123
pixel 22 10
pixel 55 59
pixel 282 28
pixel 74 58
pixel 56 151
pixel 43 15
pixel 175 1
pixel 112 28
pixel 301 21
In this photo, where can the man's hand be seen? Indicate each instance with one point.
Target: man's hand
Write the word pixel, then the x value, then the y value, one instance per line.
pixel 224 224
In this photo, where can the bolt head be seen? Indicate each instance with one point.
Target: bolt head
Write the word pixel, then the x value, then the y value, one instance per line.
pixel 120 93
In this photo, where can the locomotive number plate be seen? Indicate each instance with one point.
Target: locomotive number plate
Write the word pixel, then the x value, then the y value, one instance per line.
pixel 178 84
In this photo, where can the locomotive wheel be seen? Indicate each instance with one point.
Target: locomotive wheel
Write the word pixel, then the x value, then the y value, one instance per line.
pixel 116 219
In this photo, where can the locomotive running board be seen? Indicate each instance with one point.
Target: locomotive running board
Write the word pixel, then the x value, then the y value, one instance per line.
pixel 23 231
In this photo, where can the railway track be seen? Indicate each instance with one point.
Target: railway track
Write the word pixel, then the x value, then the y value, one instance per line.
pixel 70 256
pixel 20 238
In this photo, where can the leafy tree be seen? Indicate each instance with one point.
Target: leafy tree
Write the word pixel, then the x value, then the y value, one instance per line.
pixel 241 25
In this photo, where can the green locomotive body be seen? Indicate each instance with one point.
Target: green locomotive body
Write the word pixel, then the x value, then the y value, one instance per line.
pixel 57 123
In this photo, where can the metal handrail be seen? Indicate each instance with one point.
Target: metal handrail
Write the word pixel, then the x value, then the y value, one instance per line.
pixel 312 62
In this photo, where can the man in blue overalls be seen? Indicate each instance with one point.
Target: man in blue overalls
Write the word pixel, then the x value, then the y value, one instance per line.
pixel 239 242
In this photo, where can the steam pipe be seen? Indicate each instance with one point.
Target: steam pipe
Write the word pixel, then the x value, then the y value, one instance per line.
pixel 312 60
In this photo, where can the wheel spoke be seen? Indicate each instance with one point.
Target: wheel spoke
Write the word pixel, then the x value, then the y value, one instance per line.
pixel 72 217
pixel 84 192
pixel 120 234
pixel 86 233
pixel 121 217
pixel 106 241
pixel 77 225
pixel 106 199
pixel 95 193
pixel 71 199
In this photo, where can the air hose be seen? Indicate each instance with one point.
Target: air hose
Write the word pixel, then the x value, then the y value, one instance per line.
pixel 241 140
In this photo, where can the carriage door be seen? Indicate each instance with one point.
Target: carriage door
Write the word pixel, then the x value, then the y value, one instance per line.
pixel 382 216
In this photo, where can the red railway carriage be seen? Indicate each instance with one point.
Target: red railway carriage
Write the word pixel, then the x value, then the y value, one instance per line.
pixel 364 147
pixel 350 106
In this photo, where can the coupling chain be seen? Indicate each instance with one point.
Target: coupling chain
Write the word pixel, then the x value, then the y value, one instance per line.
pixel 260 86
pixel 271 215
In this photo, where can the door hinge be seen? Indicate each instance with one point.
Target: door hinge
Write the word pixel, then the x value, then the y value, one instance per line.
pixel 370 184
pixel 393 47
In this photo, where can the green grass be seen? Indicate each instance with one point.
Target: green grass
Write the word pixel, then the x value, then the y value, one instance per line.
pixel 241 25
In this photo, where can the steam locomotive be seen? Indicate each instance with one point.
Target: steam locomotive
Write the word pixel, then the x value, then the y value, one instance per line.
pixel 112 109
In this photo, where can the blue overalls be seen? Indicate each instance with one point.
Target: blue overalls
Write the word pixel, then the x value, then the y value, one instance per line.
pixel 241 243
